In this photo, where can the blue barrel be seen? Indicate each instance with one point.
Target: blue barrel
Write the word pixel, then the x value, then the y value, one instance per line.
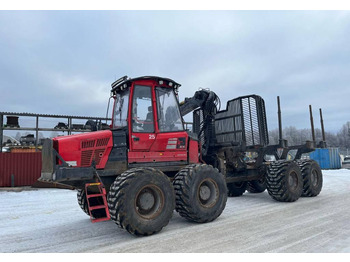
pixel 327 158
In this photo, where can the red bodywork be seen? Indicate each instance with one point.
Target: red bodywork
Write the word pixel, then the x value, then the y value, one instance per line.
pixel 81 149
pixel 158 146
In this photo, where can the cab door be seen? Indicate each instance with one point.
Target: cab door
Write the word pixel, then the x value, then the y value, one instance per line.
pixel 172 140
pixel 142 119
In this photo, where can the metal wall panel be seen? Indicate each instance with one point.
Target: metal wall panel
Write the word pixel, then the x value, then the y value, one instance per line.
pixel 327 158
pixel 334 157
pixel 26 168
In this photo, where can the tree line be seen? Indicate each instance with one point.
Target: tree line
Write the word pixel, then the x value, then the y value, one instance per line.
pixel 340 139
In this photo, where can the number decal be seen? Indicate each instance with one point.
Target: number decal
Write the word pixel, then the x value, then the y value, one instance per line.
pixel 152 136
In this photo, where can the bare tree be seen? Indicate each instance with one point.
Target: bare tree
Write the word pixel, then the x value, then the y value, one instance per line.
pixel 18 136
pixel 295 136
pixel 54 134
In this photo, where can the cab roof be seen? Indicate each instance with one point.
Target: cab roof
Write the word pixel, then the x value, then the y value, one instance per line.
pixel 124 82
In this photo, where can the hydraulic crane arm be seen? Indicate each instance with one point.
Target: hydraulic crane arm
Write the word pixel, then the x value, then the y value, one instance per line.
pixel 206 102
pixel 200 100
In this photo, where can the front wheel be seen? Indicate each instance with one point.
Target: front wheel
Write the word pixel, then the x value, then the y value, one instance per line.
pixel 141 201
pixel 82 201
pixel 201 193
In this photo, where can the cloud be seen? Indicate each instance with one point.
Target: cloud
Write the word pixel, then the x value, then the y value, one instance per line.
pixel 64 61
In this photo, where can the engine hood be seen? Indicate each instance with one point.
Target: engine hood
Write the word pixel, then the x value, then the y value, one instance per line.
pixel 82 149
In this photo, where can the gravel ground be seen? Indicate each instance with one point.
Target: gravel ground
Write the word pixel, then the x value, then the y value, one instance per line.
pixel 50 220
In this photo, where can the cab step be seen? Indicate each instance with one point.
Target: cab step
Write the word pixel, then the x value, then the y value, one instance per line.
pixel 97 202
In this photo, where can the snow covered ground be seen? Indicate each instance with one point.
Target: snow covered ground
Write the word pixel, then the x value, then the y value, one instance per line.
pixel 50 220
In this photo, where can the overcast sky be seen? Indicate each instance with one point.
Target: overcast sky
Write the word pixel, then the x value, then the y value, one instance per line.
pixel 63 62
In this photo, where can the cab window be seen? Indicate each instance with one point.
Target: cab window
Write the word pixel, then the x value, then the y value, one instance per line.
pixel 142 112
pixel 169 117
pixel 121 109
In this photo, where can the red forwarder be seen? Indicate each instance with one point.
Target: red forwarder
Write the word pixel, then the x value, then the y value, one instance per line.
pixel 147 165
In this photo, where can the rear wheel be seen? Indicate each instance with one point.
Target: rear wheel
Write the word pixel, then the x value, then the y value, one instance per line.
pixel 312 177
pixel 141 201
pixel 257 186
pixel 236 189
pixel 284 181
pixel 201 193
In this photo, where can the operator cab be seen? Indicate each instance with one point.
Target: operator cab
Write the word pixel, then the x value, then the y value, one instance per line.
pixel 148 108
pixel 142 116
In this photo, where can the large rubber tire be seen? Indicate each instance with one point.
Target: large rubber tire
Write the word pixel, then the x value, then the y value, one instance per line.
pixel 257 186
pixel 284 181
pixel 141 201
pixel 312 177
pixel 82 201
pixel 236 189
pixel 81 196
pixel 201 193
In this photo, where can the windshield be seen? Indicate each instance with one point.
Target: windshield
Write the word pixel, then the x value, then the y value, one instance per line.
pixel 121 109
pixel 169 118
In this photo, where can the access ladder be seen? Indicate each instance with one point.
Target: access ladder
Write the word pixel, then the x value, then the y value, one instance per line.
pixel 97 203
